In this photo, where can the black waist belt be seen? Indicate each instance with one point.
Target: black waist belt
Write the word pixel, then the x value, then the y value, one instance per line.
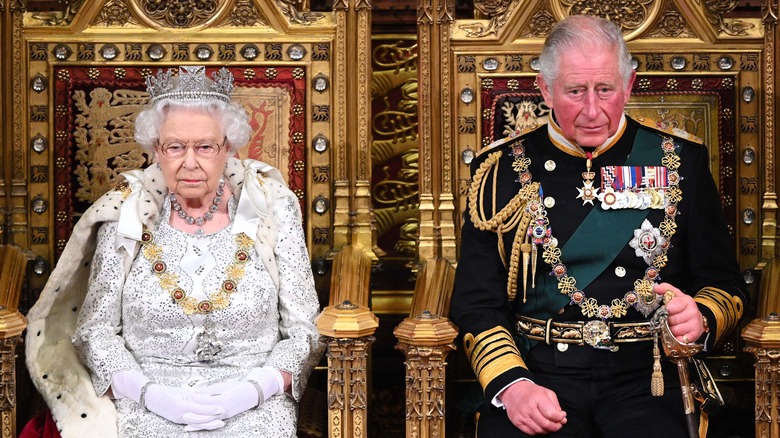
pixel 598 334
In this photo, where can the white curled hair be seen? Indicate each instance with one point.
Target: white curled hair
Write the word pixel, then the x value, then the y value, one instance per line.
pixel 581 32
pixel 234 120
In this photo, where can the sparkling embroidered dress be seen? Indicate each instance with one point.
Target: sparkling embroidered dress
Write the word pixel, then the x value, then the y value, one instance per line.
pixel 132 323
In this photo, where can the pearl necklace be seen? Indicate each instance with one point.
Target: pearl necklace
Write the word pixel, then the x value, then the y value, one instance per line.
pixel 206 217
pixel 642 297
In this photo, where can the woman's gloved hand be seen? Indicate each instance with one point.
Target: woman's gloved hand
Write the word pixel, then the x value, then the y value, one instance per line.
pixel 184 406
pixel 236 397
pixel 178 405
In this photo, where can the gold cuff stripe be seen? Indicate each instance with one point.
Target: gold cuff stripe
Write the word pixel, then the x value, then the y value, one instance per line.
pixel 726 308
pixel 488 339
pixel 491 353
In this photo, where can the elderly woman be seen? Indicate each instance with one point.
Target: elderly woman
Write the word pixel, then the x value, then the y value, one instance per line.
pixel 198 318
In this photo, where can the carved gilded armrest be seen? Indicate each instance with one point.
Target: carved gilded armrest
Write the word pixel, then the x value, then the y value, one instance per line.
pixel 13 267
pixel 425 338
pixel 347 326
pixel 762 339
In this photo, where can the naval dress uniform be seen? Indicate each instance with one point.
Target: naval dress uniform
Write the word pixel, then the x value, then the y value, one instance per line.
pixel 560 247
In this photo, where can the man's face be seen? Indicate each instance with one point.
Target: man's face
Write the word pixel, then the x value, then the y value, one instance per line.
pixel 588 95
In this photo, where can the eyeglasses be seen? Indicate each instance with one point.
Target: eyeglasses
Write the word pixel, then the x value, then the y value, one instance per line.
pixel 204 149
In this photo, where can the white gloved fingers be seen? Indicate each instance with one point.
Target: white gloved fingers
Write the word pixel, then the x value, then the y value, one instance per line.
pixel 217 388
pixel 168 402
pixel 216 424
pixel 204 410
pixel 200 420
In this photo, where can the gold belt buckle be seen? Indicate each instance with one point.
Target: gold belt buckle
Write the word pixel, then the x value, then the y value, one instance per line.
pixel 596 334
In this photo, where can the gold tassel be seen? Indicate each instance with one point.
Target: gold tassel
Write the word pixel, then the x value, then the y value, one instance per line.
pixel 526 248
pixel 657 379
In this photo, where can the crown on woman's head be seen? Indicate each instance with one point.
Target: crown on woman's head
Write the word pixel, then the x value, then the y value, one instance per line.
pixel 190 84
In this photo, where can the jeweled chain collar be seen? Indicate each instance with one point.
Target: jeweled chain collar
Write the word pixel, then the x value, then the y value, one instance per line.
pixel 642 297
pixel 169 281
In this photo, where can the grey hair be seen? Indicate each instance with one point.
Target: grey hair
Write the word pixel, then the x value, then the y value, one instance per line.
pixel 233 118
pixel 579 32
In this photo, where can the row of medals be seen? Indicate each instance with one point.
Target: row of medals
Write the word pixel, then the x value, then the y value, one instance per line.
pixel 609 198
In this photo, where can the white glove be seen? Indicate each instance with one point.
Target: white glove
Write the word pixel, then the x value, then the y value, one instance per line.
pixel 237 397
pixel 128 384
pixel 184 406
pixel 179 405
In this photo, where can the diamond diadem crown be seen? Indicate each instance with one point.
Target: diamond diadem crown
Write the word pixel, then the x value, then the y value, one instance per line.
pixel 190 84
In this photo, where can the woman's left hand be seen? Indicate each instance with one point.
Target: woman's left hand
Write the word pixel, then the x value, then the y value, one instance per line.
pixel 685 319
pixel 233 397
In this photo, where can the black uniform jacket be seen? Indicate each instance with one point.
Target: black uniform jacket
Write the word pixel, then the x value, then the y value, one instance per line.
pixel 701 260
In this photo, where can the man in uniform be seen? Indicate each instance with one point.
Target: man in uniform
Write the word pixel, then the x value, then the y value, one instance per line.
pixel 573 234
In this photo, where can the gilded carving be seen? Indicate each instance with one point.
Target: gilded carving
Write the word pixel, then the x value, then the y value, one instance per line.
pixel 748 123
pixel 180 52
pixel 113 13
pixel 749 62
pixel 748 186
pixel 179 13
pixel 39 113
pixel 467 63
pixel 86 52
pixel 715 11
pixel 654 62
pixel 497 12
pixel 227 52
pixel 292 9
pixel 39 174
pixel 245 14
pixel 60 18
pixel 321 236
pixel 273 52
pixel 541 23
pixel 765 383
pixel 701 61
pixel 133 52
pixel 39 51
pixel 770 21
pixel 320 52
pixel 321 174
pixel 629 15
pixel 467 125
pixel 514 63
pixel 748 245
pixel 320 113
pixel 347 385
pixel 39 235
pixel 104 139
pixel 671 24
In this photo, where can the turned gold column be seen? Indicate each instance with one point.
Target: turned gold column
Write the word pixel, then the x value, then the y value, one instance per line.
pixel 347 326
pixel 425 338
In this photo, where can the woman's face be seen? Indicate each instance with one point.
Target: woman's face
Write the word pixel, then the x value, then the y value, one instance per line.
pixel 192 177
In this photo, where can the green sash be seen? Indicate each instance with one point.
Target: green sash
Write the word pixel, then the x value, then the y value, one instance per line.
pixel 586 254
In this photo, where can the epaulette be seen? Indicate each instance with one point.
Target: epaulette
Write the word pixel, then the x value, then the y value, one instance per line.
pixel 668 130
pixel 513 136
